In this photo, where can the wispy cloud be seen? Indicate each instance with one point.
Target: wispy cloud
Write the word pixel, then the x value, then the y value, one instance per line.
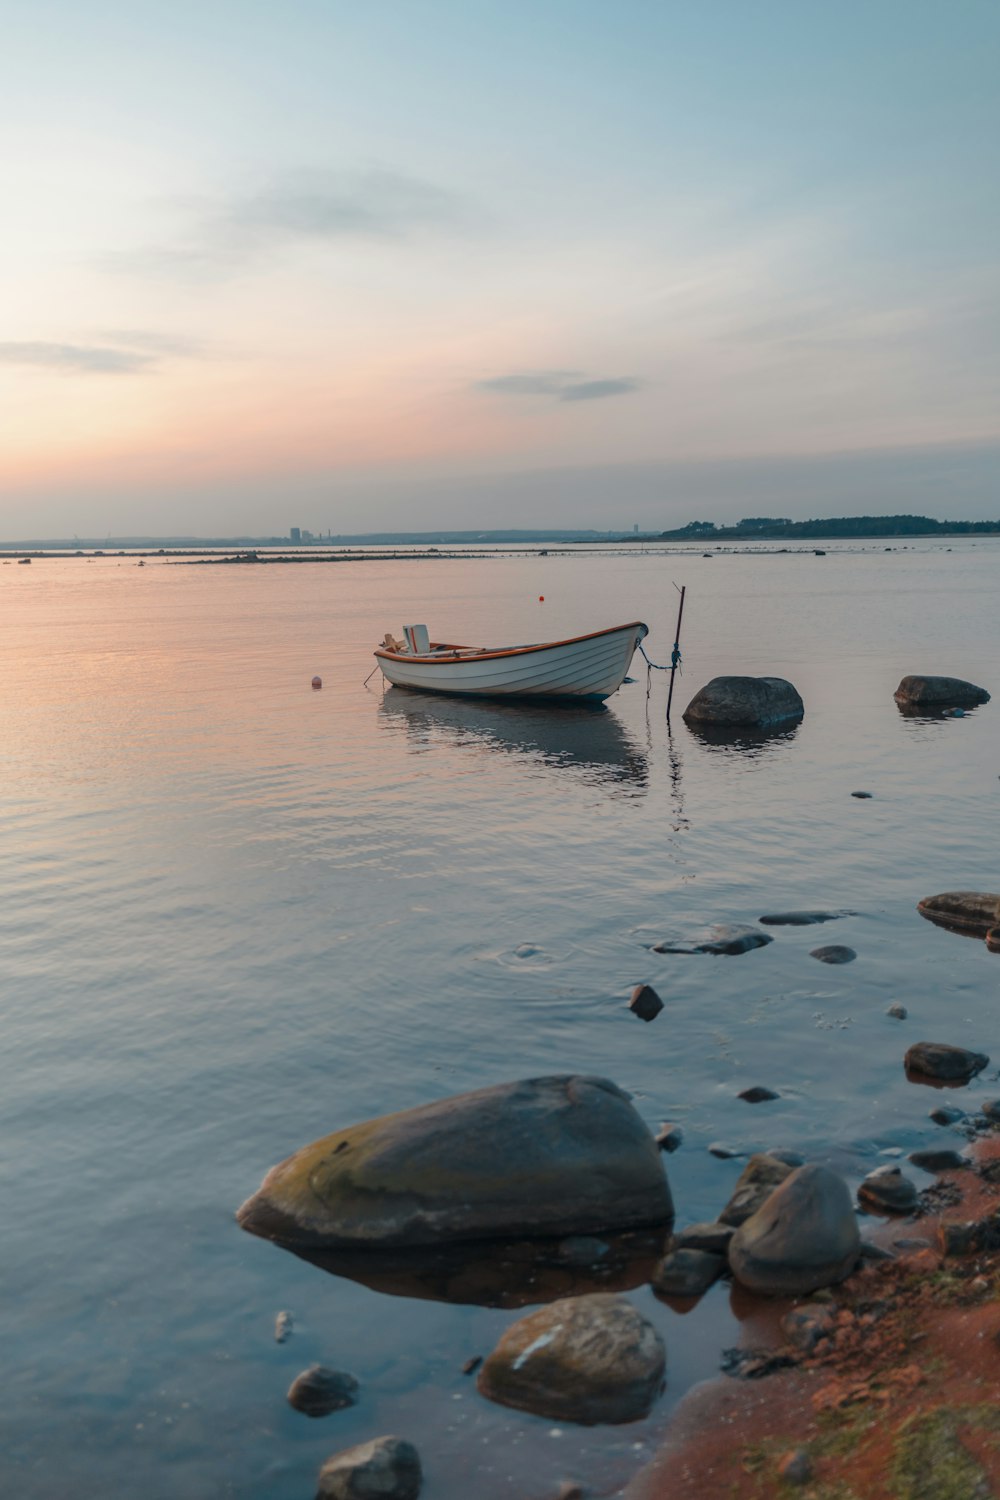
pixel 230 233
pixel 166 345
pixel 88 359
pixel 561 385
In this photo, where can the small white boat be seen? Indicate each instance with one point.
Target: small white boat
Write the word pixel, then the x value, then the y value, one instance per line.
pixel 588 666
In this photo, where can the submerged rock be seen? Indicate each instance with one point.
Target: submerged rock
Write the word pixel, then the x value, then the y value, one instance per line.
pixel 727 938
pixel 755 1184
pixel 584 1359
pixel 736 701
pixel 897 1011
pixel 947 1114
pixel 687 1272
pixel 758 1094
pixel 974 912
pixel 939 692
pixel 938 1062
pixel 801 918
pixel 804 1237
pixel 544 1156
pixel 387 1468
pixel 886 1190
pixel 318 1391
pixel 834 953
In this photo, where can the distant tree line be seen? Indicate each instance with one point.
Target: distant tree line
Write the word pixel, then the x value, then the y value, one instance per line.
pixel 833 526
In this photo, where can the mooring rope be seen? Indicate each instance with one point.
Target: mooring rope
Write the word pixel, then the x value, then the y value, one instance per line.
pixel 675 659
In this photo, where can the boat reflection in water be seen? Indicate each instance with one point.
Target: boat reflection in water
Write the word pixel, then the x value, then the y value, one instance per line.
pixel 589 738
pixel 504 1273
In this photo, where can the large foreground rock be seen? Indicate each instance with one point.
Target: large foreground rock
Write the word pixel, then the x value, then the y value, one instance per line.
pixel 939 692
pixel 387 1468
pixel 584 1359
pixel 805 1236
pixel 544 1156
pixel 974 912
pixel 759 701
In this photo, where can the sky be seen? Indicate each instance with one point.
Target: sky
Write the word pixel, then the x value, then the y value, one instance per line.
pixel 407 264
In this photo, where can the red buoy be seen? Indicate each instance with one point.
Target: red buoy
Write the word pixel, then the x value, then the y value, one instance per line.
pixel 317 682
pixel 541 598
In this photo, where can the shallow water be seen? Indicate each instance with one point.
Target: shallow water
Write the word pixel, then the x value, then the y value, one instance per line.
pixel 236 914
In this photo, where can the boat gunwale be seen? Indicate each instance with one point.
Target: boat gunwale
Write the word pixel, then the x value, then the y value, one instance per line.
pixel 477 655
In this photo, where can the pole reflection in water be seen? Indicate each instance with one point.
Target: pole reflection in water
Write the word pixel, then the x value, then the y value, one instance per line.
pixel 584 738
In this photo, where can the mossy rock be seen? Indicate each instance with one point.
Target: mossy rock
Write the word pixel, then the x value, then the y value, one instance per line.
pixel 543 1156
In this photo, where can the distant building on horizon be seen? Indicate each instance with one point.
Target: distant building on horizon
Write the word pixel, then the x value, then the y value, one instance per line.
pixel 294 535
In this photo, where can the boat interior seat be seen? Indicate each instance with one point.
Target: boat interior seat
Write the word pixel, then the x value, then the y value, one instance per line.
pixel 417 639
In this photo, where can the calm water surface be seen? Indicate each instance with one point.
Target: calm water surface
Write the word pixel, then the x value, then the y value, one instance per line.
pixel 237 914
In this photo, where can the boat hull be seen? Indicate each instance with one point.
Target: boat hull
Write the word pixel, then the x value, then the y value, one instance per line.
pixel 588 667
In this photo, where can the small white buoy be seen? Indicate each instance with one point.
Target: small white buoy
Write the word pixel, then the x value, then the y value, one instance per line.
pixel 317 682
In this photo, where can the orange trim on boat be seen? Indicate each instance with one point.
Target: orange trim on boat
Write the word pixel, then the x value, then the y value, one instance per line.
pixel 475 653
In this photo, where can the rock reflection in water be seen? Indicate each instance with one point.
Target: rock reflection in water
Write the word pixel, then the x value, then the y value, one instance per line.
pixel 743 740
pixel 504 1273
pixel 588 737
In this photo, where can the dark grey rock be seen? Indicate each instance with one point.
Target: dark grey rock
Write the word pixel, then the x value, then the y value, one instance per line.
pixel 862 796
pixel 318 1391
pixel 993 940
pixel 834 953
pixel 582 1359
pixel 722 1151
pixel 670 1137
pixel 755 1184
pixel 687 1272
pixel 974 912
pixel 947 1114
pixel 897 1011
pixel 736 701
pixel 758 1094
pixel 645 1002
pixel 939 1062
pixel 939 692
pixel 387 1468
pixel 801 918
pixel 938 1161
pixel 712 1237
pixel 886 1190
pixel 545 1156
pixel 805 1236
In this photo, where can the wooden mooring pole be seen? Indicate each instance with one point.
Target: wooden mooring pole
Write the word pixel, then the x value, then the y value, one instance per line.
pixel 675 655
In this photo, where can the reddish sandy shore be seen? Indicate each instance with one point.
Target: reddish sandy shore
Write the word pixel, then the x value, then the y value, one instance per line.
pixel 899 1400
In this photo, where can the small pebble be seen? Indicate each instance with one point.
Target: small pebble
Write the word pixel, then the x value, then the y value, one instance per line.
pixel 937 1161
pixel 472 1364
pixel 758 1095
pixel 282 1327
pixel 669 1137
pixel 645 1002
pixel 864 796
pixel 722 1151
pixel 318 1391
pixel 897 1011
pixel 796 1467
